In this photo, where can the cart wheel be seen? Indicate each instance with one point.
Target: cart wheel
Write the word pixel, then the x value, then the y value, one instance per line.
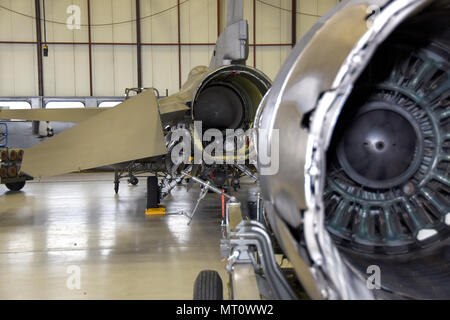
pixel 17 186
pixel 208 286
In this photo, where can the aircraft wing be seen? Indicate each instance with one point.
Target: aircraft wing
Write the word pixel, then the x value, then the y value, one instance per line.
pixel 127 132
pixel 168 107
pixel 57 115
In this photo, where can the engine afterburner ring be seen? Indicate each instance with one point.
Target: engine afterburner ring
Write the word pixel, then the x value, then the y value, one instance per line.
pixel 388 187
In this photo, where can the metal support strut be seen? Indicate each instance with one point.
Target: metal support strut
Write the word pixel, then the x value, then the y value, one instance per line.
pixel 206 186
pixel 253 269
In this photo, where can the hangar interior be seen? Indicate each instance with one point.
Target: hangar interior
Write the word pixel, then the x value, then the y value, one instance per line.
pixel 76 219
pixel 224 149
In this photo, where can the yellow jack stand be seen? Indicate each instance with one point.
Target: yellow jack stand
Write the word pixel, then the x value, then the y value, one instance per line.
pixel 156 211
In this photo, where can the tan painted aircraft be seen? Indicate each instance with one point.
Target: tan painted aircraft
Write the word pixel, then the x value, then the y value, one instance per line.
pixel 224 95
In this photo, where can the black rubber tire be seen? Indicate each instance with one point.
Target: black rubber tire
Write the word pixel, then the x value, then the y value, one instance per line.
pixel 153 197
pixel 134 181
pixel 17 186
pixel 208 286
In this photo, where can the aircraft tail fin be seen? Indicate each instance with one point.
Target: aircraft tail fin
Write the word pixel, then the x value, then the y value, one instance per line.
pixel 232 45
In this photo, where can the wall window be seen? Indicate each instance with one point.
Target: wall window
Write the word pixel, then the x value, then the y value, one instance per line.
pixel 64 105
pixel 109 104
pixel 14 105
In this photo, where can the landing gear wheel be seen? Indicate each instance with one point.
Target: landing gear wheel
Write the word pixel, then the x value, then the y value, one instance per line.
pixel 388 181
pixel 17 186
pixel 116 181
pixel 208 286
pixel 153 193
pixel 133 181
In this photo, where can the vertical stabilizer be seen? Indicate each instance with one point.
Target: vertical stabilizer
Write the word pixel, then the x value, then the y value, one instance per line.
pixel 232 45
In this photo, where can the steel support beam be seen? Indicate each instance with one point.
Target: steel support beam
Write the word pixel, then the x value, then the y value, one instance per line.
pixel 179 43
pixel 91 86
pixel 294 22
pixel 254 33
pixel 139 44
pixel 37 5
pixel 219 29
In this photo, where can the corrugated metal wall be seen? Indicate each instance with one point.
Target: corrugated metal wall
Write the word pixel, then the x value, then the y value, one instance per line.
pixel 18 65
pixel 114 67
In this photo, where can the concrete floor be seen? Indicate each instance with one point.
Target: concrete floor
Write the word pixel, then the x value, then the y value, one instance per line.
pixel 76 220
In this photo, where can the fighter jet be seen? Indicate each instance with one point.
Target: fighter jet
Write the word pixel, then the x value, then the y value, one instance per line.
pixel 139 133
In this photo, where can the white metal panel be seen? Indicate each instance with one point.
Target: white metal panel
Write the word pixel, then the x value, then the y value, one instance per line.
pixel 113 21
pixel 160 68
pixel 7 70
pixel 17 61
pixel 81 61
pixel 273 26
pixel 248 15
pixel 307 6
pixel 103 71
pixel 250 60
pixel 25 70
pixel 124 17
pixel 198 22
pixel 18 27
pixel 57 18
pixel 19 70
pixel 114 69
pixel 159 24
pixel 6 33
pixel 59 71
pixel 102 16
pixel 147 67
pixel 66 70
pixel 125 69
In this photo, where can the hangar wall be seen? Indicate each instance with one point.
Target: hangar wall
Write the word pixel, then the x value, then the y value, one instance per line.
pixel 103 62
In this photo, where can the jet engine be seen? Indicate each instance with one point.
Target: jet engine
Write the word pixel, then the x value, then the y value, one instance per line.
pixel 227 99
pixel 360 117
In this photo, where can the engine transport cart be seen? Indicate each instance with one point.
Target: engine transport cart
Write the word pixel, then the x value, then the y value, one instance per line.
pixel 253 268
pixel 10 175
